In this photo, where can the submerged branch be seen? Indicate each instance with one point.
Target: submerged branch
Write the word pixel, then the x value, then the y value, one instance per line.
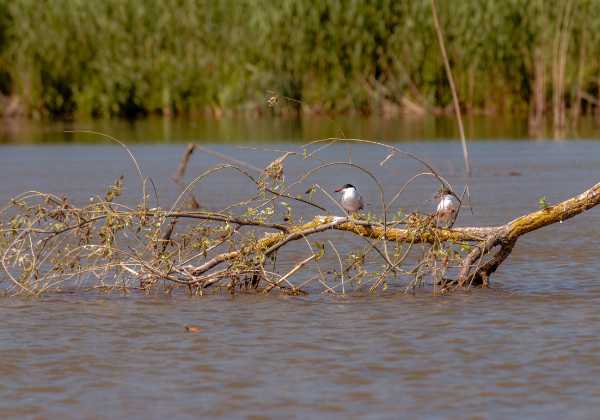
pixel 46 240
pixel 486 237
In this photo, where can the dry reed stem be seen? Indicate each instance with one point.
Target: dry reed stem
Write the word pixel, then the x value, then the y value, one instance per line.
pixel 455 101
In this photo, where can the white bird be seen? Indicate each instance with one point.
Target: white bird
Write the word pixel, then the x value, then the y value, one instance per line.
pixel 351 200
pixel 447 208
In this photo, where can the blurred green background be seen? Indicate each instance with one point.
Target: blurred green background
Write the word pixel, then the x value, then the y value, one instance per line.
pixel 78 59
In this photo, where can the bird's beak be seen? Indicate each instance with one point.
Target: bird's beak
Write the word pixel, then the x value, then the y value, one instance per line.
pixel 339 189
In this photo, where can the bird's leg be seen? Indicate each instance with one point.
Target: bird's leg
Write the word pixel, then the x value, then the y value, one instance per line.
pixel 437 217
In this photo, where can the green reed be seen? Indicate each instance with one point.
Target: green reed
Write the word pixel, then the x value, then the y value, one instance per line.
pixel 130 58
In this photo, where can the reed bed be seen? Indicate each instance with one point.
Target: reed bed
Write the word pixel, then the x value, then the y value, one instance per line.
pixel 195 57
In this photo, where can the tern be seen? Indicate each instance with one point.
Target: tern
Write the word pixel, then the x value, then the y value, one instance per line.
pixel 351 200
pixel 447 208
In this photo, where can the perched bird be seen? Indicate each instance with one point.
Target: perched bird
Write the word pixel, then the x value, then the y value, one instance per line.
pixel 447 208
pixel 351 200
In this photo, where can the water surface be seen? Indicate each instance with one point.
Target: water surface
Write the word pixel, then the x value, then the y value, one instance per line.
pixel 248 129
pixel 527 347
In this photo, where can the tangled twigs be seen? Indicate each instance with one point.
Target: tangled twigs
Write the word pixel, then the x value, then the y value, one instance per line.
pixel 290 273
pixel 261 243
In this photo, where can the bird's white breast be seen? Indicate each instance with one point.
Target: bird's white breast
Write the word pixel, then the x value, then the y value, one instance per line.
pixel 350 199
pixel 448 203
pixel 349 194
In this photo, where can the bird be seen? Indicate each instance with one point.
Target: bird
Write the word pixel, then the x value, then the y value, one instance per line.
pixel 351 200
pixel 447 208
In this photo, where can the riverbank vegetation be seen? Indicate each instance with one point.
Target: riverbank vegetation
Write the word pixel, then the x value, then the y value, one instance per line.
pixel 129 58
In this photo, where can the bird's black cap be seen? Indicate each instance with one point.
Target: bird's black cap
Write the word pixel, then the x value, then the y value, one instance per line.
pixel 443 191
pixel 344 187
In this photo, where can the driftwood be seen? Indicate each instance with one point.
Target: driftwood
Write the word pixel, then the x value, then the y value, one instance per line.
pixel 47 243
pixel 473 270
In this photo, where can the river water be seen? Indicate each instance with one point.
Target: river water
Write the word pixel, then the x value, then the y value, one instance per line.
pixel 526 347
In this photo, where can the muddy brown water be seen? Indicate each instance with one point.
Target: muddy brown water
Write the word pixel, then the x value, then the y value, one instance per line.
pixel 527 347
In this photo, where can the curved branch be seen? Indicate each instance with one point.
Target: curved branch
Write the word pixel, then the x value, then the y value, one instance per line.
pixel 487 237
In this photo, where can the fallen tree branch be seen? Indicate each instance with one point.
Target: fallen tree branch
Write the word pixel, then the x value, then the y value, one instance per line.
pixel 486 237
pixel 508 234
pixel 45 239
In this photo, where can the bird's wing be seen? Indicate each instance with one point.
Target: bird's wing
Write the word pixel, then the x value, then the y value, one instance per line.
pixel 360 203
pixel 440 207
pixel 455 204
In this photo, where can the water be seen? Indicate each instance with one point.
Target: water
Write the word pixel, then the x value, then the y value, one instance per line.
pixel 253 130
pixel 527 347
